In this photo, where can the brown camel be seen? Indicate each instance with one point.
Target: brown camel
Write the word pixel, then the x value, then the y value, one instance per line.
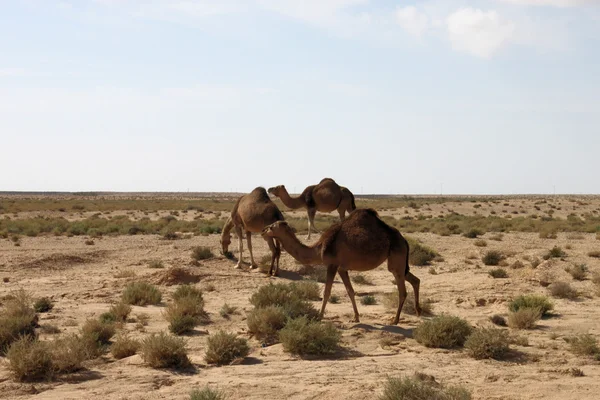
pixel 324 197
pixel 252 213
pixel 359 243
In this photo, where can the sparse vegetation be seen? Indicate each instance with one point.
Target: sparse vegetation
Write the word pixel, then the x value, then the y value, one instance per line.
pixel 124 346
pixel 473 233
pixel 555 252
pixel 141 294
pixel 201 253
pixel 100 332
pixel 156 264
pixel 488 343
pixel 443 331
pixel 223 348
pixel 480 243
pixel 206 394
pixel 164 351
pixel 492 257
pixel 578 271
pixel 420 254
pixel 390 301
pixel 368 300
pixel 334 299
pixel 563 290
pixel 421 387
pixel 524 318
pixel 186 311
pixel 17 319
pixel 583 345
pixel 265 322
pixel 284 296
pixel 534 301
pixel 226 311
pixel 360 279
pixel 303 336
pixel 30 360
pixel 498 273
pixel 43 304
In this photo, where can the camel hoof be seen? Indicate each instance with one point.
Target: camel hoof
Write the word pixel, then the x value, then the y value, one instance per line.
pixel 253 266
pixel 237 266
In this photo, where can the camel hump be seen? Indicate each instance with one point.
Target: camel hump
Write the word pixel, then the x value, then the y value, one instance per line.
pixel 326 179
pixel 367 212
pixel 260 194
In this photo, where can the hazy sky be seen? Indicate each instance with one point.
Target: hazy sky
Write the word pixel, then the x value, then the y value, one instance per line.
pixel 385 96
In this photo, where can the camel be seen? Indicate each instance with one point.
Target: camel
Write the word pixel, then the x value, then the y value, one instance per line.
pixel 324 197
pixel 361 242
pixel 251 214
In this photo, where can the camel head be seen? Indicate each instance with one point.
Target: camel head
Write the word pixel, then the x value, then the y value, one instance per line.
pixel 276 190
pixel 225 242
pixel 277 229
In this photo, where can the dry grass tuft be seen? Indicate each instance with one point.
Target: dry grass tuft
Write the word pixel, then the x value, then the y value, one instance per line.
pixel 583 345
pixel 141 294
pixel 443 331
pixel 30 360
pixel 578 271
pixel 488 343
pixel 360 279
pixel 498 273
pixel 206 394
pixel 421 387
pixel 265 322
pixel 524 318
pixel 164 351
pixel 225 348
pixel 201 253
pixel 492 257
pixel 563 290
pixel 124 346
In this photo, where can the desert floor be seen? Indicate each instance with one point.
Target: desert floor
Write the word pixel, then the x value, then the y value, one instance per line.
pixel 84 280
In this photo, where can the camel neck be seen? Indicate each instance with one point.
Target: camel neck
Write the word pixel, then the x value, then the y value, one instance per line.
pixel 227 227
pixel 291 202
pixel 304 254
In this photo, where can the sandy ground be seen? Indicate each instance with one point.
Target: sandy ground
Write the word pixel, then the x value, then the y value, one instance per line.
pixel 84 280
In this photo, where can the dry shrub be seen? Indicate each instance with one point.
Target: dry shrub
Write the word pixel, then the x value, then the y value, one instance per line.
pixel 201 253
pixel 69 352
pixel 49 329
pixel 555 252
pixel 583 345
pixel 546 278
pixel 164 351
pixel 185 313
pixel 498 273
pixel 360 279
pixel 226 311
pixel 303 336
pixel 284 296
pixel 443 331
pixel 141 294
pixel 578 271
pixel 100 331
pixel 176 276
pixel 480 243
pixel 368 300
pixel 421 387
pixel 534 301
pixel 488 343
pixel 306 290
pixel 30 360
pixel 419 254
pixel 390 300
pixel 517 265
pixel 546 233
pixel 156 264
pixel 563 290
pixel 492 257
pixel 206 394
pixel 595 254
pixel 524 318
pixel 17 319
pixel 124 346
pixel 265 322
pixel 224 348
pixel 498 320
pixel 117 313
pixel 473 233
pixel 43 304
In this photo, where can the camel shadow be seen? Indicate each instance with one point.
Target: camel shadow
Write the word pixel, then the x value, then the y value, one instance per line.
pixel 289 275
pixel 81 376
pixel 251 361
pixel 406 332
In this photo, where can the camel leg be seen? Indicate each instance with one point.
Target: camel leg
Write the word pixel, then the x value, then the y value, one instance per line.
pixel 238 231
pixel 249 240
pixel 331 270
pixel 274 255
pixel 415 283
pixel 342 213
pixel 401 294
pixel 350 291
pixel 278 255
pixel 311 221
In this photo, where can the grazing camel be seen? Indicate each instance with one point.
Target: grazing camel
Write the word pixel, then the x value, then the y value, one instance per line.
pixel 251 213
pixel 324 197
pixel 359 243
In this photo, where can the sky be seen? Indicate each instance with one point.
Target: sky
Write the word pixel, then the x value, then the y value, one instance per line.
pixel 384 96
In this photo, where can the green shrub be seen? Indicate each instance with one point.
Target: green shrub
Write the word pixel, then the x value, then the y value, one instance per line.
pixel 443 331
pixel 141 294
pixel 43 304
pixel 563 290
pixel 421 387
pixel 583 345
pixel 492 257
pixel 368 300
pixel 206 394
pixel 164 351
pixel 30 360
pixel 303 336
pixel 488 343
pixel 498 273
pixel 224 348
pixel 124 346
pixel 202 253
pixel 534 301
